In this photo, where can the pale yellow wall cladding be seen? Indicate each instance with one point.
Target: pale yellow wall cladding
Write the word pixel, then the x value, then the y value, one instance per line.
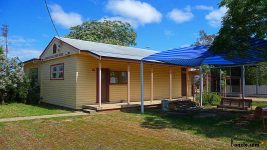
pixel 59 92
pixel 79 85
pixel 86 80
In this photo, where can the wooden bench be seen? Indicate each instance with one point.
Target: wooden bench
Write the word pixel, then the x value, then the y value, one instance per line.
pixel 235 103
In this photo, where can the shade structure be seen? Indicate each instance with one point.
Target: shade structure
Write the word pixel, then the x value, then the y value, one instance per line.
pixel 200 55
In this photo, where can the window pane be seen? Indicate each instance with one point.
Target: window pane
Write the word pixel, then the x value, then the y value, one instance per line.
pixel 61 68
pixel 54 48
pixel 123 77
pixel 57 71
pixel 118 77
pixel 60 75
pixel 54 68
pixel 113 77
pixel 54 75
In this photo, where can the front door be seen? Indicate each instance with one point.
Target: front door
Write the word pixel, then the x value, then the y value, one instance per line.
pixel 104 85
pixel 184 82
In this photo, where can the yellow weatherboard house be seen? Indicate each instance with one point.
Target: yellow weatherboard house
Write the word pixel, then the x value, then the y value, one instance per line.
pixel 73 73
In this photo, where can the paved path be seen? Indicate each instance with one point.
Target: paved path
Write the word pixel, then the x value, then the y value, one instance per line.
pixel 43 117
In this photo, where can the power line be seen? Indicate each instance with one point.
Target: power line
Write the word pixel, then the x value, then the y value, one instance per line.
pixel 51 18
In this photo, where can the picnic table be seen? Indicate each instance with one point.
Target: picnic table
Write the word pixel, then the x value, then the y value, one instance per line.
pixel 235 103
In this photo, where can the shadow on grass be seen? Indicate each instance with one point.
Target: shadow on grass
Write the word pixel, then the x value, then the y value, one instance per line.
pixel 222 124
pixel 43 106
pixel 51 107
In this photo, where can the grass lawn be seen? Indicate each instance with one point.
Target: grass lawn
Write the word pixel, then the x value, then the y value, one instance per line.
pixel 130 130
pixel 259 104
pixel 20 110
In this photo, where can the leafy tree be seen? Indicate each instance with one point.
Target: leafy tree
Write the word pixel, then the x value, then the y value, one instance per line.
pixel 245 19
pixel 204 38
pixel 13 82
pixel 259 72
pixel 1 50
pixel 106 31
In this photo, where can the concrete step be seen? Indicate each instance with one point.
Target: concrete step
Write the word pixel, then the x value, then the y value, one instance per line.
pixel 89 111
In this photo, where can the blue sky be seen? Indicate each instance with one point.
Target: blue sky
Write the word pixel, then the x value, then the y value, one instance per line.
pixel 160 24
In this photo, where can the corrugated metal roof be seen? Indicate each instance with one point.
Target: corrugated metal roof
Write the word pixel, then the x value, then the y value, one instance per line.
pixel 108 50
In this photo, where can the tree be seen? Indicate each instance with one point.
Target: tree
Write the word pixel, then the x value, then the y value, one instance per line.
pixel 245 19
pixel 106 31
pixel 256 74
pixel 13 82
pixel 204 39
pixel 1 50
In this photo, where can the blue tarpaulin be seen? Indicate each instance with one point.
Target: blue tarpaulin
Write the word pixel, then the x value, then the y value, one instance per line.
pixel 200 55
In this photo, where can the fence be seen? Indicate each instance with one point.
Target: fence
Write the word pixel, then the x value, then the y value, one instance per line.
pixel 250 90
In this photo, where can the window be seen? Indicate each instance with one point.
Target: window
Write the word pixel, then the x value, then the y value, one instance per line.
pixel 57 72
pixel 118 77
pixel 54 48
pixel 34 75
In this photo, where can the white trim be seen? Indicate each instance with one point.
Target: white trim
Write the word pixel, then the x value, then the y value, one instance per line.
pixel 128 85
pixel 152 85
pixel 99 84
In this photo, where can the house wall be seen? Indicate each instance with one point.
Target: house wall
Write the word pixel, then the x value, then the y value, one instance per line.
pixel 86 80
pixel 59 92
pixel 79 85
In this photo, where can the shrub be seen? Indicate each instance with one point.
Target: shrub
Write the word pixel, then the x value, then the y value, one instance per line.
pixel 210 98
pixel 13 82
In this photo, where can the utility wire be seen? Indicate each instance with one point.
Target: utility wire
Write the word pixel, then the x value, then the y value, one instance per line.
pixel 51 18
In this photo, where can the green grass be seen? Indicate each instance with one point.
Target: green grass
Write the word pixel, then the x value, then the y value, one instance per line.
pixel 20 110
pixel 131 130
pixel 259 104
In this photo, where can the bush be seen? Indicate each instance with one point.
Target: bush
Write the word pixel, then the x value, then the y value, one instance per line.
pixel 13 82
pixel 210 98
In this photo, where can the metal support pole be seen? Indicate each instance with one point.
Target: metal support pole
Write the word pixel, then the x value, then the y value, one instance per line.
pixel 201 86
pixel 257 80
pixel 220 82
pixel 243 81
pixel 230 89
pixel 142 85
pixel 152 85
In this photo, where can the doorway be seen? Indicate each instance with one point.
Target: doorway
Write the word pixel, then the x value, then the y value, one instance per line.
pixel 184 82
pixel 105 76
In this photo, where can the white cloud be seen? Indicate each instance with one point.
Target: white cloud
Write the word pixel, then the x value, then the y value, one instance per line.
pixel 22 47
pixel 24 53
pixel 204 7
pixel 214 18
pixel 20 41
pixel 181 16
pixel 137 12
pixel 65 19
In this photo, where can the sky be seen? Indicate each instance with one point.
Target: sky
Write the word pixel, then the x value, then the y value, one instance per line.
pixel 159 24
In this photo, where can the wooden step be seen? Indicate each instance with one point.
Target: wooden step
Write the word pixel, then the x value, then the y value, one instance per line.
pixel 89 111
pixel 89 107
